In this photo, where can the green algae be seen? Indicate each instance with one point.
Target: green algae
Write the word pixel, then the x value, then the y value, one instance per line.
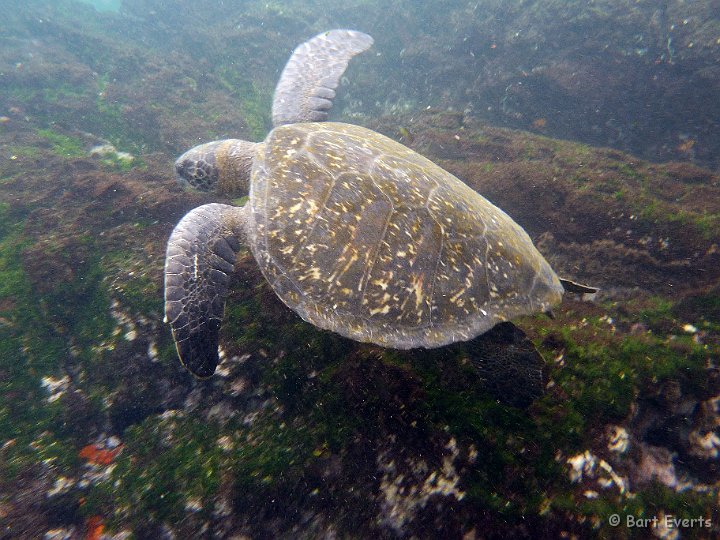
pixel 35 330
pixel 705 304
pixel 176 460
pixel 255 100
pixel 58 304
pixel 630 171
pixel 121 163
pixel 132 286
pixel 141 295
pixel 571 153
pixel 155 477
pixel 27 349
pixel 655 501
pixel 116 127
pixel 600 379
pixel 63 145
pixel 61 92
pixel 706 225
pixel 630 183
pixel 603 375
pixel 171 461
pixel 9 229
pixel 51 91
pixel 25 151
pixel 487 167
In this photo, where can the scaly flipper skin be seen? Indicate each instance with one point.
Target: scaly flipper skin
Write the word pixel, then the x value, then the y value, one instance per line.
pixel 200 256
pixel 201 251
pixel 308 82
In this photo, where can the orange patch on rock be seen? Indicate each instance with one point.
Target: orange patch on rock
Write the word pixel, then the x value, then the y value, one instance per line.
pixel 99 456
pixel 95 527
pixel 686 146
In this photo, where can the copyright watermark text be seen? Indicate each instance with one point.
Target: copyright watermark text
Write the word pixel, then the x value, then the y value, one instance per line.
pixel 667 521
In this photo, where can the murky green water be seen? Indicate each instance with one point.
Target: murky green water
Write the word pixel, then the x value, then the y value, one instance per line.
pixel 105 5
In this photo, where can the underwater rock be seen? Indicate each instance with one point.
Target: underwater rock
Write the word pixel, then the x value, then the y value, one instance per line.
pixel 406 488
pixel 108 153
pixel 639 76
pixel 306 434
pixel 56 387
pixel 672 441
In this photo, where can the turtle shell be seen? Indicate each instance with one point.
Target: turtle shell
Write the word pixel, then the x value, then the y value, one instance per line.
pixel 363 236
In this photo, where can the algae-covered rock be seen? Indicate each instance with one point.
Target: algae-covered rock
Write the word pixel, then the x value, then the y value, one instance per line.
pixel 304 433
pixel 639 76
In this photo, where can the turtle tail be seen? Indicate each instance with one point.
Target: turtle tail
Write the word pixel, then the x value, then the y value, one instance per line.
pixel 571 286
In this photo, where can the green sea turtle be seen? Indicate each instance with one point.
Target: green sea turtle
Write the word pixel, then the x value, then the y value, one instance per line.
pixel 355 232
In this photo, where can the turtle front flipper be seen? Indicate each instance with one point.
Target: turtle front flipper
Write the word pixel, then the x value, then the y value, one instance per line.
pixel 307 84
pixel 200 256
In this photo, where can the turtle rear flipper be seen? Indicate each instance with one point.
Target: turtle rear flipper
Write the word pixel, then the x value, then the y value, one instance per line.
pixel 512 369
pixel 200 256
pixel 307 84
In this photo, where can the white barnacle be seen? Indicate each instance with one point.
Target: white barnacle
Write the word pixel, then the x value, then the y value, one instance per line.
pixel 618 439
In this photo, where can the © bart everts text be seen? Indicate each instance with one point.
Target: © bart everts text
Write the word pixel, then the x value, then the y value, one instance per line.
pixel 668 520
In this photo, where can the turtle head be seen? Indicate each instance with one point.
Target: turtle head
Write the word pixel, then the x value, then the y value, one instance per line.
pixel 198 167
pixel 221 167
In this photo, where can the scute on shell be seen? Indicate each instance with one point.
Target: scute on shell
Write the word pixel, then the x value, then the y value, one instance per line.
pixel 363 236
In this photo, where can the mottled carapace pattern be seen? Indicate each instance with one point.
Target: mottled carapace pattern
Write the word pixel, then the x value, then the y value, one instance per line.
pixel 363 236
